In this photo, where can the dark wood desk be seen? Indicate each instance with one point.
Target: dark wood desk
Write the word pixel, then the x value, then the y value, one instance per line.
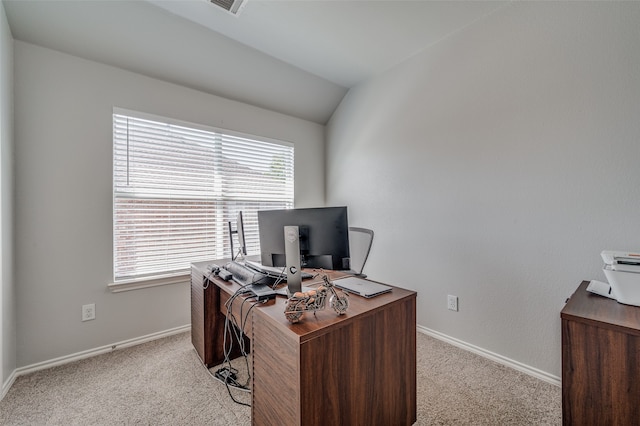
pixel 600 361
pixel 354 369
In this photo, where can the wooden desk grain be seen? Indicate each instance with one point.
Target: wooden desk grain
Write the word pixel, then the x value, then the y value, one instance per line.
pixel 600 361
pixel 353 369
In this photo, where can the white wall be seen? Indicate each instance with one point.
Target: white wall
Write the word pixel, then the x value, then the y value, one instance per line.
pixel 496 165
pixel 7 293
pixel 63 108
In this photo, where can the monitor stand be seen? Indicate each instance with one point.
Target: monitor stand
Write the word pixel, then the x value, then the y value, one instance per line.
pixel 292 254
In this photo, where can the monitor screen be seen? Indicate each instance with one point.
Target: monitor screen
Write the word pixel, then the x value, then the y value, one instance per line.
pixel 240 231
pixel 324 236
pixel 242 247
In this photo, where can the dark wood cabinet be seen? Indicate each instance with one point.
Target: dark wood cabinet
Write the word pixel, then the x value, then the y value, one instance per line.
pixel 600 361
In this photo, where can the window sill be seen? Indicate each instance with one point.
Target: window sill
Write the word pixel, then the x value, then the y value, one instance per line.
pixel 140 283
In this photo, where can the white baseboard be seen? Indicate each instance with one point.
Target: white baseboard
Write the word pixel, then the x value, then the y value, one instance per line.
pixel 88 353
pixel 542 375
pixel 531 371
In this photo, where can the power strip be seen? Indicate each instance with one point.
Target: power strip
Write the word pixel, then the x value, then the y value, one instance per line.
pixel 225 375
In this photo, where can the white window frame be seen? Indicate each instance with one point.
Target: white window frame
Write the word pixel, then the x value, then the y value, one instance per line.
pixel 239 190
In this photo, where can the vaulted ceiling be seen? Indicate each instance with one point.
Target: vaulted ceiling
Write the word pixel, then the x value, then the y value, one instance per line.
pixel 297 57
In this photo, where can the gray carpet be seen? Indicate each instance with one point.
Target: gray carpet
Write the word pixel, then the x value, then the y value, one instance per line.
pixel 164 383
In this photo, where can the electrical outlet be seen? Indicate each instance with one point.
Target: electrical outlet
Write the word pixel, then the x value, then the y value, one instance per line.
pixel 89 312
pixel 452 303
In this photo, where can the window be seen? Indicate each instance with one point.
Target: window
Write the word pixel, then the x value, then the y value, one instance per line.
pixel 175 188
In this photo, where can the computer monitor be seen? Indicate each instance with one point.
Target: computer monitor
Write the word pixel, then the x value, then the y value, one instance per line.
pixel 240 231
pixel 324 236
pixel 242 249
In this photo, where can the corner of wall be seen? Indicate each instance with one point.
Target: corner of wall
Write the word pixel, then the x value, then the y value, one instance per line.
pixel 7 293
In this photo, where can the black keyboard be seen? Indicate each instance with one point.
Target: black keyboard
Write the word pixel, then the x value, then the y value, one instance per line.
pixel 246 276
pixel 274 272
pixel 256 283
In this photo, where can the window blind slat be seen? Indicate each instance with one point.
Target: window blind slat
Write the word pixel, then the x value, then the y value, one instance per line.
pixel 175 189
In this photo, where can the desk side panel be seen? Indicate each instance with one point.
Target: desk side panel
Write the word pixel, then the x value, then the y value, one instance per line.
pixel 276 385
pixel 201 319
pixel 599 375
pixel 208 319
pixel 363 372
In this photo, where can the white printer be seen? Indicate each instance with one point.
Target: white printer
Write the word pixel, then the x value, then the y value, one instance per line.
pixel 622 270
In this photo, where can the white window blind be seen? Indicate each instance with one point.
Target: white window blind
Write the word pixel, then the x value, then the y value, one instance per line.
pixel 176 188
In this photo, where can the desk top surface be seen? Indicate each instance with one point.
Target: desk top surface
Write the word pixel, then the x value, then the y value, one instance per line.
pixel 311 324
pixel 591 308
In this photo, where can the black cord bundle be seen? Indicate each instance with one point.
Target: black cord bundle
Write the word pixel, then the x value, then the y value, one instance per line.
pixel 228 374
pixel 232 328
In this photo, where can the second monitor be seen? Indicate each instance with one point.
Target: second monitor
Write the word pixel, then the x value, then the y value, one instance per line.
pixel 324 236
